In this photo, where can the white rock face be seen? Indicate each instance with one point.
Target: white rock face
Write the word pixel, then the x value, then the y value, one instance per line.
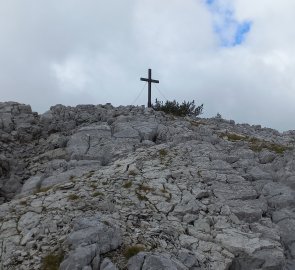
pixel 91 186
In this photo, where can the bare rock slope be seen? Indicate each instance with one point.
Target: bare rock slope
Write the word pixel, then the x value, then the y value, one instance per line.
pixel 98 187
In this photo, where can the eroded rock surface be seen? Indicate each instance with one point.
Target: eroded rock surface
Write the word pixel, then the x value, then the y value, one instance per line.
pixel 87 185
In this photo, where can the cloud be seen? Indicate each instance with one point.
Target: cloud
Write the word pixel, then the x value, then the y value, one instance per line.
pixel 230 31
pixel 236 57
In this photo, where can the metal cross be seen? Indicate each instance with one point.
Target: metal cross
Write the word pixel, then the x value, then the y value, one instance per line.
pixel 150 81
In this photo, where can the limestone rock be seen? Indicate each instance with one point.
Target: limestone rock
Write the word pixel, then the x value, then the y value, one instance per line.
pixel 99 183
pixel 89 231
pixel 152 261
pixel 79 258
pixel 107 265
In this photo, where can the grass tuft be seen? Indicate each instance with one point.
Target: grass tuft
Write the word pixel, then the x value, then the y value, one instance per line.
pixel 132 251
pixel 132 173
pixel 141 197
pixel 256 144
pixel 73 197
pixel 259 146
pixel 145 188
pixel 163 152
pixel 233 137
pixel 97 193
pixel 127 184
pixel 23 202
pixel 93 185
pixel 52 261
pixel 44 189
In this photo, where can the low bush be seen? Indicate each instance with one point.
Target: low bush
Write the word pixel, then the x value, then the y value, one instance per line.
pixel 173 107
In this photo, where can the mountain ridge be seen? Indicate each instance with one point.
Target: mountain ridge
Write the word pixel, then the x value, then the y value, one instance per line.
pixel 192 193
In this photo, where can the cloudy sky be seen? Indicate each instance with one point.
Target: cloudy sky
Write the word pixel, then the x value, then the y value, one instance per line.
pixel 235 56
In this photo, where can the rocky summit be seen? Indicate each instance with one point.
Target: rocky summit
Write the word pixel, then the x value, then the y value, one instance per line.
pixel 105 188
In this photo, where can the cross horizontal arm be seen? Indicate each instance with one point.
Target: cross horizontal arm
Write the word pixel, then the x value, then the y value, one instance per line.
pixel 148 80
pixel 154 81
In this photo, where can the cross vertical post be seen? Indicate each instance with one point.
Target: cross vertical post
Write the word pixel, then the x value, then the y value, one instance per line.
pixel 150 89
pixel 150 81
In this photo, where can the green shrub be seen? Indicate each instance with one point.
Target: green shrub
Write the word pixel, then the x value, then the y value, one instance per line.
pixel 173 107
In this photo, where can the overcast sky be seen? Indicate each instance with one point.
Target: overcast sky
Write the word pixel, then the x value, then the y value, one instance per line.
pixel 235 56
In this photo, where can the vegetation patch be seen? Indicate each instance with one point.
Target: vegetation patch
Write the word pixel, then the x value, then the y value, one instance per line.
pixel 127 184
pixel 163 154
pixel 23 202
pixel 174 108
pixel 93 185
pixel 132 173
pixel 43 189
pixel 97 193
pixel 132 251
pixel 256 144
pixel 145 188
pixel 142 188
pixel 233 137
pixel 166 194
pixel 197 123
pixel 163 190
pixel 52 261
pixel 168 199
pixel 89 174
pixel 141 197
pixel 73 197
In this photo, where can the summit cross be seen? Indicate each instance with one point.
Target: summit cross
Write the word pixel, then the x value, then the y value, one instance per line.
pixel 150 81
